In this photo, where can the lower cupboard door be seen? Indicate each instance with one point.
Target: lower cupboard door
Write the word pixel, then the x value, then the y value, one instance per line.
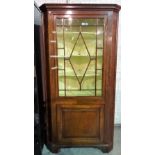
pixel 80 124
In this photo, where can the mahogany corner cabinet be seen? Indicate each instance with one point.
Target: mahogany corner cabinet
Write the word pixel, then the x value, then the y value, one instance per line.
pixel 78 72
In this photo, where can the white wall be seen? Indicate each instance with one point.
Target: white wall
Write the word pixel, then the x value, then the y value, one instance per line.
pixel 39 2
pixel 118 76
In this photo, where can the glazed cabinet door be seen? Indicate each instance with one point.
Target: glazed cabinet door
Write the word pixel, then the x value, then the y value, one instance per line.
pixel 79 53
pixel 77 71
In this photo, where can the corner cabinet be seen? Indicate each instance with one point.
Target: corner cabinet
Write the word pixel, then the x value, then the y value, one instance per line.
pixel 79 70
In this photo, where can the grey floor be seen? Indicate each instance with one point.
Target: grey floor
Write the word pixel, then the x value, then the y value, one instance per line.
pixel 91 151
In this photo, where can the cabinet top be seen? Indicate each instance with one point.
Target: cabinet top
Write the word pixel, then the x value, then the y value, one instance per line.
pixel 50 6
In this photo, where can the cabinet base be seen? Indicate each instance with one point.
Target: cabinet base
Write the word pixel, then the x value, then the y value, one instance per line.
pixel 105 148
pixel 53 148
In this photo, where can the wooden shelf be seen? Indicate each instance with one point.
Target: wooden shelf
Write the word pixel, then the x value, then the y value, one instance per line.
pixel 80 75
pixel 67 58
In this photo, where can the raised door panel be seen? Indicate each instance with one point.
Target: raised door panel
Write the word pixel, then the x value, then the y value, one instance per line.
pixel 78 124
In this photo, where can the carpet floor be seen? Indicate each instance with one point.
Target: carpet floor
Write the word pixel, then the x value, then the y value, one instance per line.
pixel 91 151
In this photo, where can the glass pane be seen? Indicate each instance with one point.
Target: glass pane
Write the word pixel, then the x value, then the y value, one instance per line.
pixel 71 80
pixel 59 21
pixel 61 93
pixel 89 35
pixel 60 52
pixel 99 79
pixel 71 83
pixel 89 78
pixel 79 66
pixel 99 37
pixel 60 43
pixel 80 58
pixel 99 62
pixel 61 63
pixel 80 54
pixel 71 35
pixel 79 22
pixel 98 93
pixel 61 79
pixel 99 52
pixel 88 82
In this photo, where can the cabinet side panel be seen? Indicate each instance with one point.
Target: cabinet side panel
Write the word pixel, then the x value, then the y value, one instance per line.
pixel 111 43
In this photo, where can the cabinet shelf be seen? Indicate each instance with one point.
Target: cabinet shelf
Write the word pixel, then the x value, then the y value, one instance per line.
pixel 79 75
pixel 88 74
pixel 78 56
pixel 78 89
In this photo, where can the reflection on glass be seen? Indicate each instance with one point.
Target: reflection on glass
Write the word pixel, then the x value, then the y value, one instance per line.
pixel 80 56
